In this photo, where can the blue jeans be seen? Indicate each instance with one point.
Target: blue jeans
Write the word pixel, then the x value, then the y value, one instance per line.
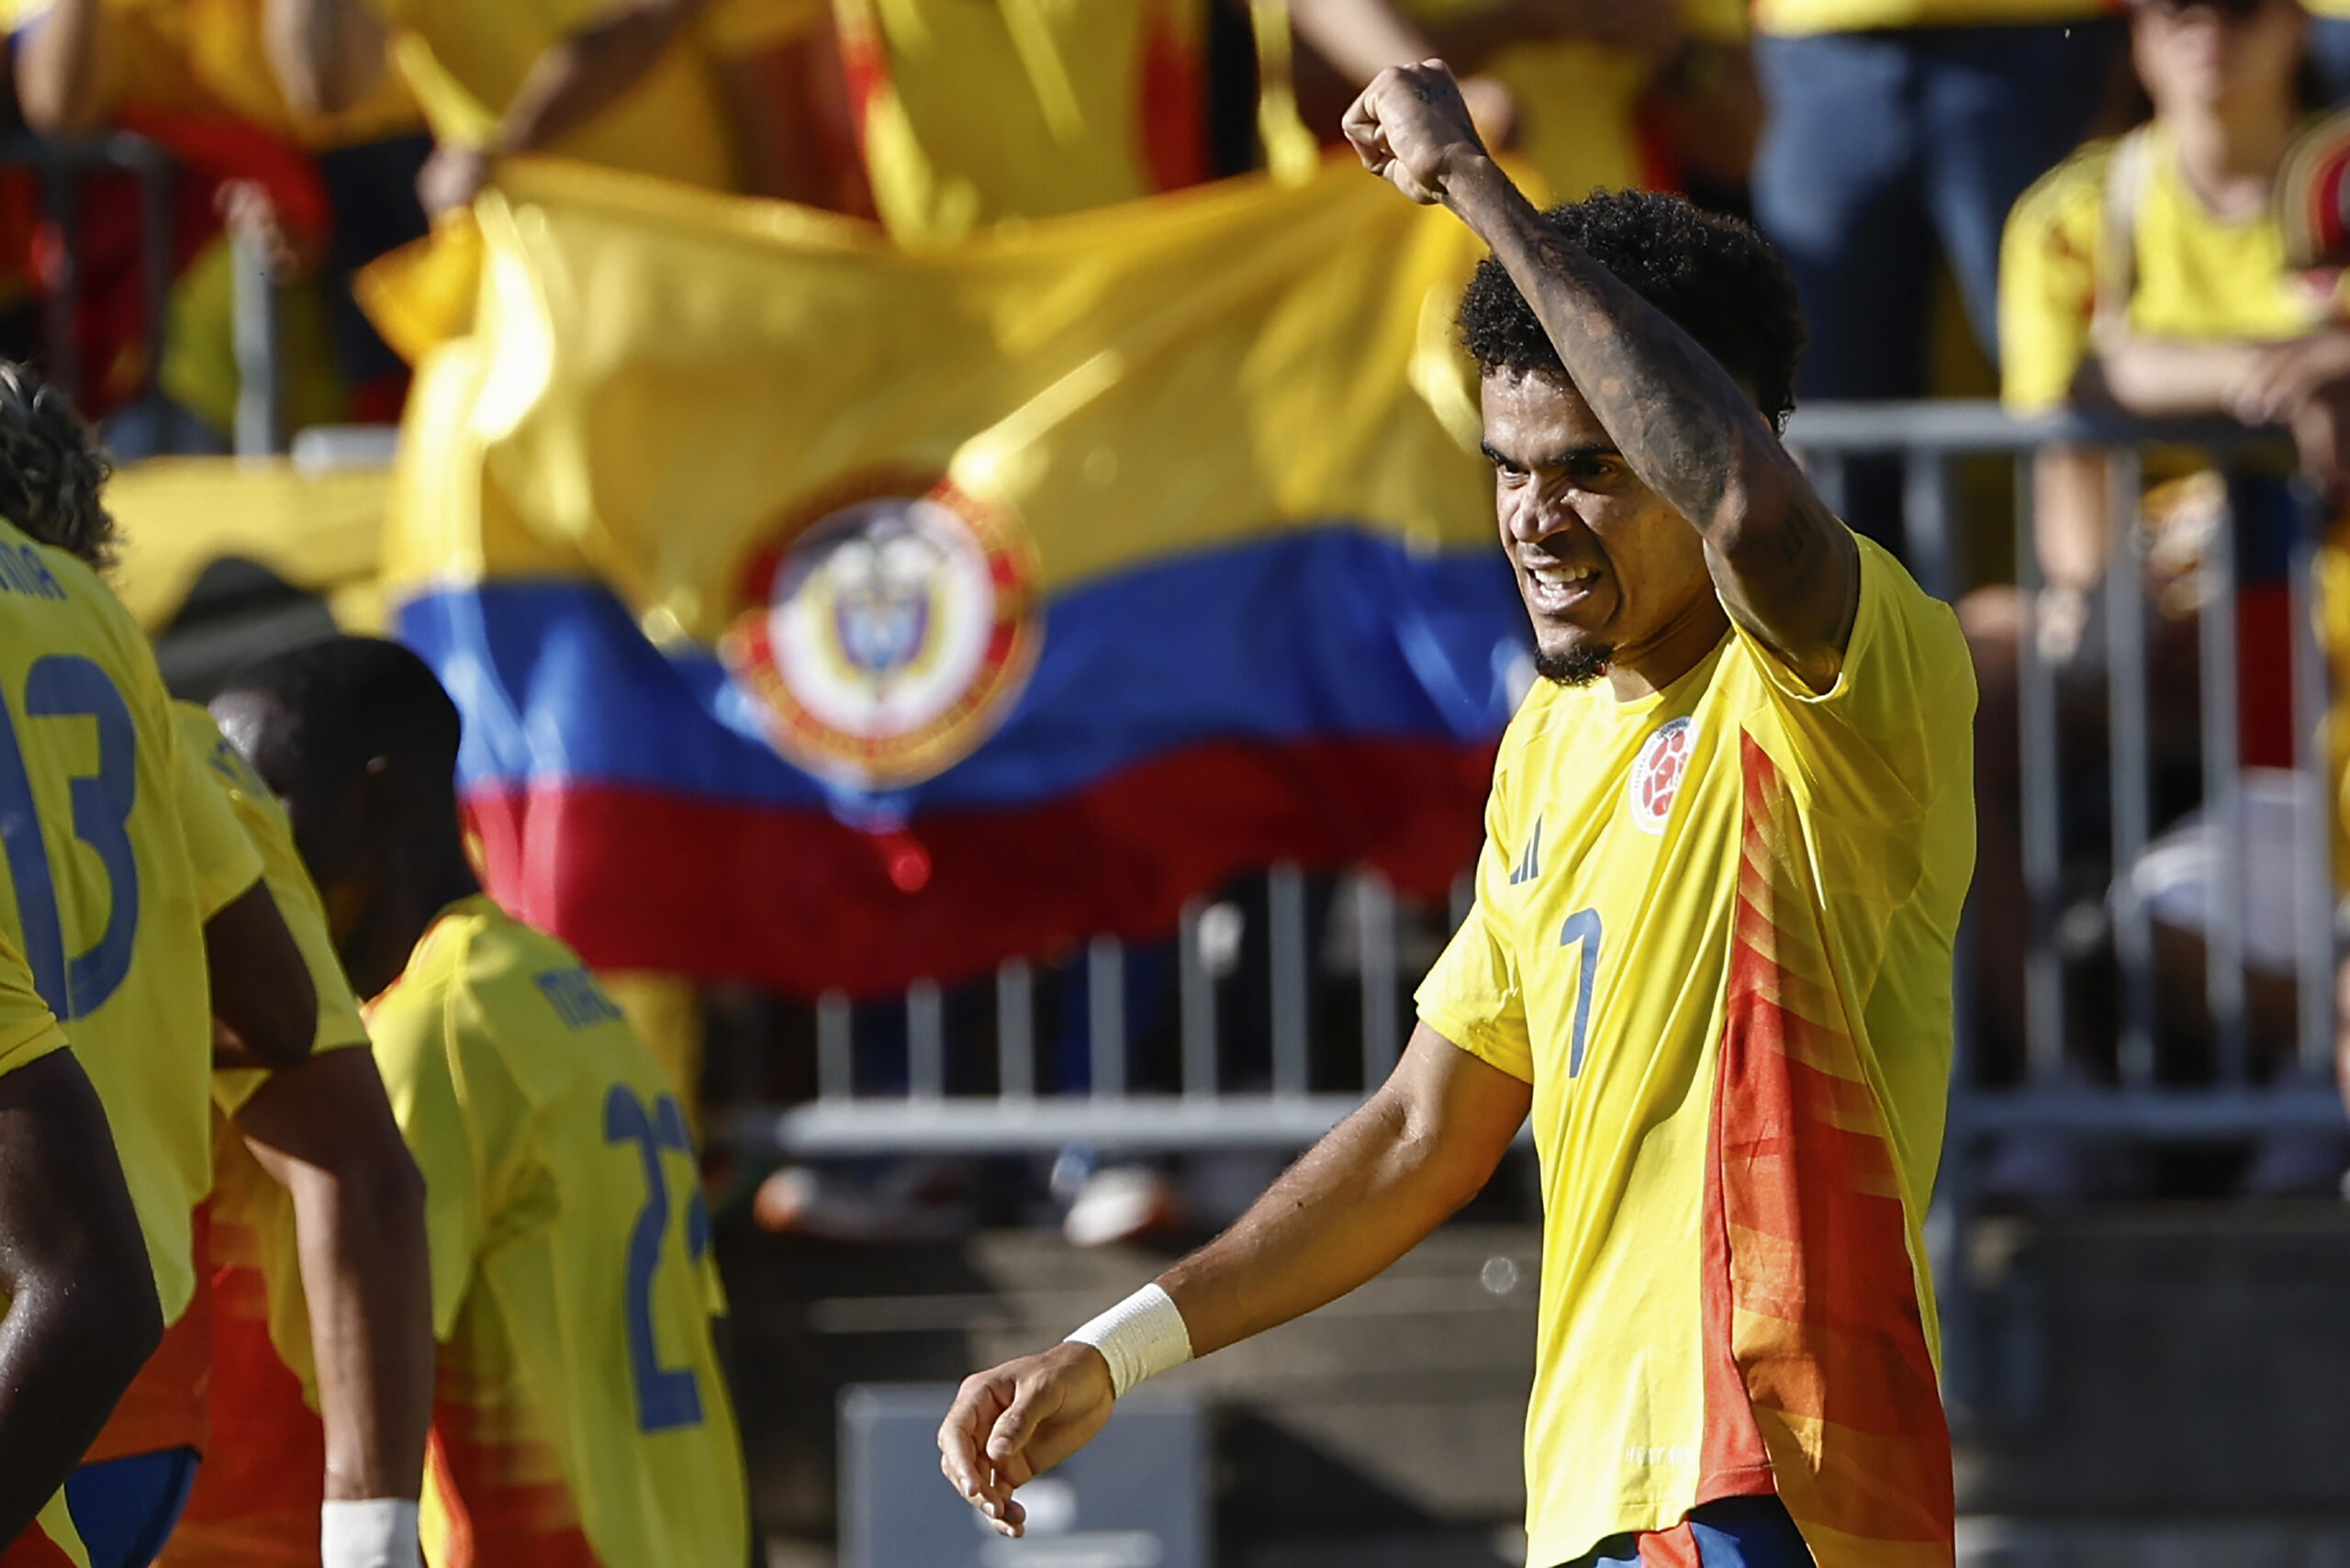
pixel 2330 56
pixel 1887 146
pixel 1886 149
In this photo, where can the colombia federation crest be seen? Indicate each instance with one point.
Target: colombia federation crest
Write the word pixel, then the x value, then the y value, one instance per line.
pixel 887 636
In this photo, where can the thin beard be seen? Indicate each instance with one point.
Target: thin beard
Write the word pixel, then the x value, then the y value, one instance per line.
pixel 1579 665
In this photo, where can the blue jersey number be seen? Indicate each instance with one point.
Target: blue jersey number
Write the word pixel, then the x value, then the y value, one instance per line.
pixel 66 685
pixel 1582 926
pixel 666 1398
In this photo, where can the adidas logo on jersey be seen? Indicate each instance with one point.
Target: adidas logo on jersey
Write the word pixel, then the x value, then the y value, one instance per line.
pixel 1529 863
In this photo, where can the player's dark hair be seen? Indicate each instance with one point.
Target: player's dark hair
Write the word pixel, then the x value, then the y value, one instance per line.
pixel 52 469
pixel 347 701
pixel 1716 277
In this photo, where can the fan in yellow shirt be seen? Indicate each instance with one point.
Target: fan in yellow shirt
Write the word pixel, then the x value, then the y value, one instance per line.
pixel 134 896
pixel 1583 79
pixel 1727 847
pixel 660 87
pixel 581 1415
pixel 2149 272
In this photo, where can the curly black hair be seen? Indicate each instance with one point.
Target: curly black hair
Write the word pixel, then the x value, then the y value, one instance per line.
pixel 52 469
pixel 1717 279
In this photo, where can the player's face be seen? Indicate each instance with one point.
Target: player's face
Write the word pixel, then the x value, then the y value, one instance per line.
pixel 1609 573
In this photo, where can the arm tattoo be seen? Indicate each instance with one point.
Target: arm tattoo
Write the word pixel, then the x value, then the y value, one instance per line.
pixel 1679 420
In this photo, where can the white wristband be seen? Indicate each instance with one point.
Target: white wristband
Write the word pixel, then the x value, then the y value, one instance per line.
pixel 377 1533
pixel 1141 1337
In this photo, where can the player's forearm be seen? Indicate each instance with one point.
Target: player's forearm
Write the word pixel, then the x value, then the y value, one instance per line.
pixel 367 1280
pixel 63 69
pixel 2168 377
pixel 582 75
pixel 1359 1200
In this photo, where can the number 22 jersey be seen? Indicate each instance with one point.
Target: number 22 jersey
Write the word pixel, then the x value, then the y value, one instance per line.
pixel 1712 929
pixel 580 1416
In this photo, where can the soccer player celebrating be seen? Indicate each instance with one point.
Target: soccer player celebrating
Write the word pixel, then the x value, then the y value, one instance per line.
pixel 580 1416
pixel 1726 848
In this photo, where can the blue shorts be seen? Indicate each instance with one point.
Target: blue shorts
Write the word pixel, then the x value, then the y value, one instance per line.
pixel 125 1508
pixel 1733 1532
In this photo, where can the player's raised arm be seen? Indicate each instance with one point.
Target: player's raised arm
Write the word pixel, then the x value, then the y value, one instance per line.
pixel 1362 1197
pixel 81 1313
pixel 1784 567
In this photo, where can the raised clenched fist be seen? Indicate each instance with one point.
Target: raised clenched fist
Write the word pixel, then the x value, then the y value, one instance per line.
pixel 1412 130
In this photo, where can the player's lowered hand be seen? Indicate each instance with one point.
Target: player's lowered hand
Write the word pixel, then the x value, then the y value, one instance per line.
pixel 1012 1424
pixel 1412 130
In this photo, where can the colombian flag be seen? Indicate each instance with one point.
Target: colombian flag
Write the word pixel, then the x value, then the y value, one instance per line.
pixel 825 615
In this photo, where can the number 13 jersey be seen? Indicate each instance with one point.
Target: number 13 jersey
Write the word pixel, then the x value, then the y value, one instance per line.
pixel 1712 929
pixel 580 1416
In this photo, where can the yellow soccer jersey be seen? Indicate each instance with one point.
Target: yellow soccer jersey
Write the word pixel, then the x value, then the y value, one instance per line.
pixel 119 847
pixel 2190 274
pixel 29 1029
pixel 1712 929
pixel 580 1416
pixel 265 825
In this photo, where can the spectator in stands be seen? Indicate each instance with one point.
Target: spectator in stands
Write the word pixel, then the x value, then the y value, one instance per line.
pixel 681 89
pixel 1605 95
pixel 1897 128
pixel 320 193
pixel 2149 273
pixel 967 120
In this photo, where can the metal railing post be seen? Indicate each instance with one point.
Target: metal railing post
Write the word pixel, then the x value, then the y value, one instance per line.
pixel 1285 912
pixel 258 332
pixel 2132 751
pixel 1105 1016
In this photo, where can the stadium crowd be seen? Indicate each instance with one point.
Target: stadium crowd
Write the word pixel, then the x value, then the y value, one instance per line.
pixel 2097 182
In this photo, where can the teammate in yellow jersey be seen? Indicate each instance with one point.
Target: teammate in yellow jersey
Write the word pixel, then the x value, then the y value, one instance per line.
pixel 78 1297
pixel 320 1263
pixel 312 1167
pixel 137 900
pixel 580 1414
pixel 1728 842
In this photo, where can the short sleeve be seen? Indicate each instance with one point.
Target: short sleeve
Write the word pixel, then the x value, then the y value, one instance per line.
pixel 1894 732
pixel 1472 996
pixel 224 860
pixel 416 1051
pixel 2048 267
pixel 264 824
pixel 27 1030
